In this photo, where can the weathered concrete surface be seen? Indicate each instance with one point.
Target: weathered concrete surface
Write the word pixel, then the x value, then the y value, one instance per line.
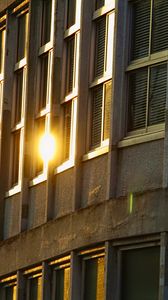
pixel 140 167
pixel 12 216
pixel 5 3
pixel 109 220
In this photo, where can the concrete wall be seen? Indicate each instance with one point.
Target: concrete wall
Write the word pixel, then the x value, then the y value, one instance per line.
pixel 94 181
pixel 140 167
pixel 37 205
pixel 12 216
pixel 64 184
pixel 110 220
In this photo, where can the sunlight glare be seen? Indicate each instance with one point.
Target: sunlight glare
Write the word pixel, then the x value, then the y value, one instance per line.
pixel 47 147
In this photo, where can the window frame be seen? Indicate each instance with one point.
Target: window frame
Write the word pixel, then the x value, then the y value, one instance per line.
pixel 56 265
pixel 130 247
pixel 107 11
pixel 31 274
pixel 69 33
pixel 89 254
pixel 8 282
pixel 150 60
pixel 17 126
pixel 43 112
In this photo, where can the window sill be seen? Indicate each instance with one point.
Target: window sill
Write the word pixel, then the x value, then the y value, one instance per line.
pixel 20 64
pixel 65 166
pixel 1 76
pixel 71 30
pixel 141 138
pixel 110 5
pixel 13 191
pixel 45 48
pixel 38 179
pixel 96 152
pixel 103 79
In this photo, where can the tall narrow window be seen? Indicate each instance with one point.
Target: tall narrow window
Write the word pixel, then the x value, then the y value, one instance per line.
pixel 46 21
pixel 93 274
pixel 2 47
pixel 33 279
pixel 18 95
pixel 34 288
pixel 67 129
pixel 147 82
pixel 8 288
pixel 39 131
pixel 15 157
pixel 71 13
pixel 101 84
pixel 140 274
pixel 18 101
pixel 70 80
pixel 22 27
pixel 2 59
pixel 61 278
pixel 94 279
pixel 70 64
pixel 43 88
pixel 43 81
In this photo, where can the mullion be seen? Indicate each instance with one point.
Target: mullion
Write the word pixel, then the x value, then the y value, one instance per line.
pixel 151 25
pixel 147 98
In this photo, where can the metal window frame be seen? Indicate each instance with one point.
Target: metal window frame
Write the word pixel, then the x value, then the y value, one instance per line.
pixel 108 10
pixel 45 49
pixel 152 59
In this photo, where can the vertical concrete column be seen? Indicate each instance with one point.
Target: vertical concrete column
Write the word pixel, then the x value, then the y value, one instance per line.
pixel 76 277
pixel 46 282
pixel 6 112
pixel 163 283
pixel 118 108
pixel 55 111
pixel 82 105
pixel 110 272
pixel 21 286
pixel 165 156
pixel 32 62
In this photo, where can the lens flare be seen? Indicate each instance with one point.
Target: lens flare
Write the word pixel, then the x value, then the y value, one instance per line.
pixel 47 147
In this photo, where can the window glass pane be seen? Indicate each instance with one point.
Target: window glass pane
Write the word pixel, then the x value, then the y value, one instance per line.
pixel 140 28
pixel 160 26
pixel 67 129
pixel 40 130
pixel 157 95
pixel 140 274
pixel 137 99
pixel 35 288
pixel 70 64
pixel 107 104
pixel 46 21
pixel 18 95
pixel 109 43
pixel 63 284
pixel 21 36
pixel 10 293
pixel 16 156
pixel 2 49
pixel 94 279
pixel 43 81
pixel 100 46
pixel 96 122
pixel 99 3
pixel 71 12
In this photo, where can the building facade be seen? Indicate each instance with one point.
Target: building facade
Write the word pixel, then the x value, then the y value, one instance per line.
pixel 92 223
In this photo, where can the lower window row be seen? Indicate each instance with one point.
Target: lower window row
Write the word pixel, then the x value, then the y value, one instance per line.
pixel 138 270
